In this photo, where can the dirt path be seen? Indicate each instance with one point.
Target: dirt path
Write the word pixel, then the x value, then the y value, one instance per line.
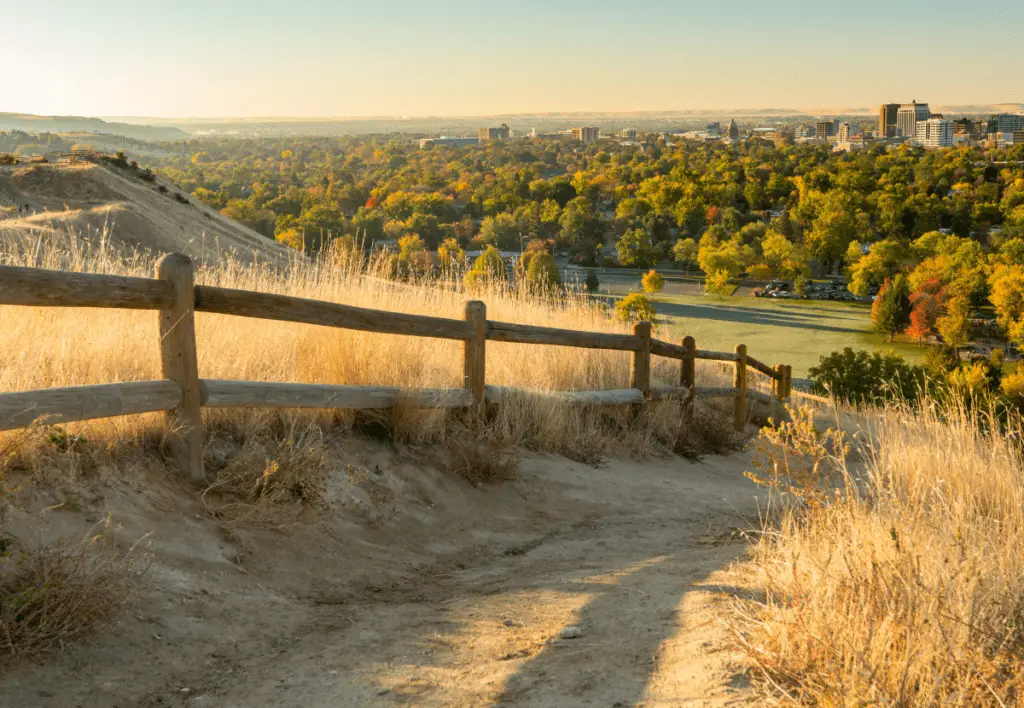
pixel 629 556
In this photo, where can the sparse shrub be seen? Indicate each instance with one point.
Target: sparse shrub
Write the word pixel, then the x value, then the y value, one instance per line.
pixel 710 431
pixel 635 307
pixel 59 592
pixel 592 283
pixel 860 377
pixel 482 459
pixel 652 282
pixel 272 478
pixel 7 158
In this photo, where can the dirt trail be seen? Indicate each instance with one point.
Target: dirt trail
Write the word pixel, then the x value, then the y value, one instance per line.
pixel 462 598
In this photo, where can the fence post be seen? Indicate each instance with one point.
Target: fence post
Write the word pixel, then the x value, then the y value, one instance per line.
pixel 178 362
pixel 740 384
pixel 779 382
pixel 641 377
pixel 688 375
pixel 474 353
pixel 789 380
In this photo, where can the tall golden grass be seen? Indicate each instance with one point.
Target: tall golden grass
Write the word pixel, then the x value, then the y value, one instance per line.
pixel 904 586
pixel 49 347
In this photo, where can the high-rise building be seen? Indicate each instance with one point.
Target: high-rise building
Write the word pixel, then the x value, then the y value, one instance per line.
pixel 825 129
pixel 1006 123
pixel 934 133
pixel 887 113
pixel 967 128
pixel 734 130
pixel 908 116
pixel 586 135
pixel 628 134
pixel 806 131
pixel 500 133
pixel 843 132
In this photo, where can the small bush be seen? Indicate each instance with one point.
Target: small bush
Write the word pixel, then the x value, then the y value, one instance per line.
pixel 271 479
pixel 709 432
pixel 860 377
pixel 652 281
pixel 482 459
pixel 592 283
pixel 52 595
pixel 634 308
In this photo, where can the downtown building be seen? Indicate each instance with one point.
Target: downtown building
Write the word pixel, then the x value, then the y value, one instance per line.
pixel 586 135
pixel 486 135
pixel 888 114
pixel 934 133
pixel 908 116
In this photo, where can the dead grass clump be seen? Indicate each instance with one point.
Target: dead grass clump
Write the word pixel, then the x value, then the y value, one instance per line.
pixel 266 479
pixel 54 594
pixel 484 457
pixel 710 431
pixel 903 586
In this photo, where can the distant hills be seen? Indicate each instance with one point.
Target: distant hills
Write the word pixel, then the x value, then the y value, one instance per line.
pixel 75 124
pixel 171 129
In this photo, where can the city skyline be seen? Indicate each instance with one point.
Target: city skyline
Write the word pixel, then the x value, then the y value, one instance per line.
pixel 311 59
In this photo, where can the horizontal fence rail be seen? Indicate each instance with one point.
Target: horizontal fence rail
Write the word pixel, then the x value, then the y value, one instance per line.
pixel 182 394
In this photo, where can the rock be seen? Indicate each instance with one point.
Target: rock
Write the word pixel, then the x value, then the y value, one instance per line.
pixel 571 632
pixel 512 623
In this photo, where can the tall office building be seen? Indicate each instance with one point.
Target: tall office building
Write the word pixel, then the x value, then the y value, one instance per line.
pixel 825 129
pixel 628 134
pixel 586 135
pixel 887 113
pixel 500 133
pixel 908 116
pixel 843 133
pixel 934 133
pixel 1006 123
pixel 734 130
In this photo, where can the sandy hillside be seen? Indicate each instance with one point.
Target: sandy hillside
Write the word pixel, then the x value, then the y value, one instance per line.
pixel 92 199
pixel 415 588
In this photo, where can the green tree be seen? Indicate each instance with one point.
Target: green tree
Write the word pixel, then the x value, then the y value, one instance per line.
pixel 636 249
pixel 500 230
pixel 542 273
pixel 592 283
pixel 890 312
pixel 685 253
pixel 488 268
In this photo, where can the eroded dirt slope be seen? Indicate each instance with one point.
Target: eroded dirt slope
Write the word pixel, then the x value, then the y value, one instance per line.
pixel 415 588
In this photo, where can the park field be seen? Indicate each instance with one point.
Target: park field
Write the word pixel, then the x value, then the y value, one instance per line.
pixel 795 332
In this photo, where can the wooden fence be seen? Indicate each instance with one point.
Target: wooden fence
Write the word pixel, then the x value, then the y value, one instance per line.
pixel 182 394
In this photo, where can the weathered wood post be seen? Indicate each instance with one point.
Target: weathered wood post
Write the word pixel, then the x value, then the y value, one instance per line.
pixel 740 384
pixel 641 376
pixel 779 382
pixel 179 364
pixel 688 375
pixel 475 353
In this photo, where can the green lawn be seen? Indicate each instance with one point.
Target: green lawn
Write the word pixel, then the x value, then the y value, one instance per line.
pixel 795 332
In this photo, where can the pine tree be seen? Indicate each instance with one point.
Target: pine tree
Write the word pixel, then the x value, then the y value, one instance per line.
pixel 891 312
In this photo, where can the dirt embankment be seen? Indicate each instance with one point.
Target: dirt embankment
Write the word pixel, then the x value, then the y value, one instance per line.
pixel 571 585
pixel 97 201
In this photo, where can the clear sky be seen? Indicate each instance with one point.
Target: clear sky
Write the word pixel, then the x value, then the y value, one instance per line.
pixel 179 58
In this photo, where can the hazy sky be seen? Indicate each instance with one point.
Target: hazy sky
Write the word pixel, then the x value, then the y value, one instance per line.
pixel 391 57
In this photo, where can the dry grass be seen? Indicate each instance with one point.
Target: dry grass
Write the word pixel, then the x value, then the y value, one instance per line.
pixel 49 347
pixel 51 595
pixel 905 586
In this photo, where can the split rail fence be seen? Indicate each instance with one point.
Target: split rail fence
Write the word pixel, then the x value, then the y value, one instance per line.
pixel 181 394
